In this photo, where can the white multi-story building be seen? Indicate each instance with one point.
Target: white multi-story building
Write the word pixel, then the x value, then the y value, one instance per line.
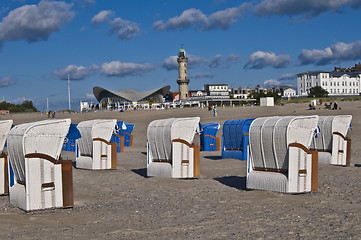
pixel 340 82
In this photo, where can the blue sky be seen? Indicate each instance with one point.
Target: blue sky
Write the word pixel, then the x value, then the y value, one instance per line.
pixel 132 44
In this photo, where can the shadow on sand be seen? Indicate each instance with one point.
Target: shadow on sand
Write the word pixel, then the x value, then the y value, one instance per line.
pixel 213 157
pixel 141 172
pixel 233 181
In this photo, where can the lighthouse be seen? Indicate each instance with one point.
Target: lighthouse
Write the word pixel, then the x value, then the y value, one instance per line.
pixel 183 80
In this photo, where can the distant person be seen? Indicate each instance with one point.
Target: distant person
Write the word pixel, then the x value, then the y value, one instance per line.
pixel 209 108
pixel 215 111
pixel 334 106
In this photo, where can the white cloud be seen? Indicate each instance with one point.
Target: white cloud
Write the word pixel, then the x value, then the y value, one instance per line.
pixel 89 96
pixel 170 63
pixel 260 59
pixel 6 81
pixel 195 60
pixel 202 75
pixel 219 61
pixel 124 29
pixel 19 100
pixel 287 76
pixel 216 61
pixel 35 22
pixel 271 82
pixel 75 72
pixel 195 18
pixel 306 8
pixel 337 52
pixel 119 69
pixel 233 58
pixel 102 16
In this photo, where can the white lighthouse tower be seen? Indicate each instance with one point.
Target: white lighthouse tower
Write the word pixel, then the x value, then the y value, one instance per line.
pixel 183 80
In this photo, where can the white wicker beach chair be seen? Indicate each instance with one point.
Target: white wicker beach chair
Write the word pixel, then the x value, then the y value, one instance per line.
pixel 5 126
pixel 331 143
pixel 39 178
pixel 279 157
pixel 170 151
pixel 95 151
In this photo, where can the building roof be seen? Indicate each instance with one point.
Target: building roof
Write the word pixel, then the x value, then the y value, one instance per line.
pixel 129 94
pixel 332 73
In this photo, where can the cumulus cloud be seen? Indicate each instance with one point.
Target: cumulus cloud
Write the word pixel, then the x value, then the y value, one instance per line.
pixel 88 96
pixel 202 75
pixel 6 81
pixel 195 60
pixel 271 82
pixel 219 60
pixel 306 8
pixel 75 72
pixel 119 69
pixel 20 100
pixel 102 16
pixel 233 58
pixel 216 61
pixel 170 63
pixel 35 22
pixel 287 76
pixel 260 59
pixel 195 18
pixel 337 52
pixel 124 29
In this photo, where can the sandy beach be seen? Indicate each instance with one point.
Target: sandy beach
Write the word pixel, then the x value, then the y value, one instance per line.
pixel 125 204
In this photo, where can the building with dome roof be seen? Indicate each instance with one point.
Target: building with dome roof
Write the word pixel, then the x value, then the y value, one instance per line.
pixel 129 96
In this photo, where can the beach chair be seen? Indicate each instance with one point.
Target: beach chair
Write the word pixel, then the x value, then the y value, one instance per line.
pixel 39 178
pixel 209 141
pixel 71 137
pixel 235 138
pixel 170 151
pixel 279 158
pixel 331 143
pixel 119 140
pixel 95 151
pixel 5 126
pixel 125 129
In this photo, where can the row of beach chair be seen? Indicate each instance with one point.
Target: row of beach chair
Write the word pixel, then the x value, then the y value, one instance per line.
pixel 35 176
pixel 282 153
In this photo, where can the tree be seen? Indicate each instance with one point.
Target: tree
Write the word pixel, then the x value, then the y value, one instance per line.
pixel 26 106
pixel 317 92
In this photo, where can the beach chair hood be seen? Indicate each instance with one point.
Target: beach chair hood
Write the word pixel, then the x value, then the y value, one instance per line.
pixel 161 133
pixel 44 137
pixel 98 128
pixel 5 126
